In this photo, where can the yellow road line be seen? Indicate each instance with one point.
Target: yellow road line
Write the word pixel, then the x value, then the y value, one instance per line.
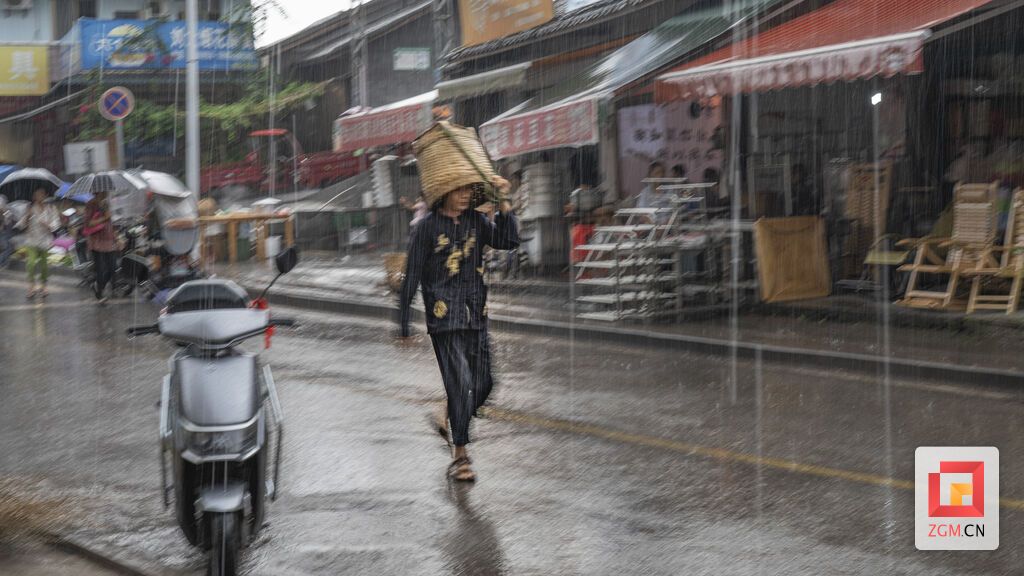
pixel 687 448
pixel 709 452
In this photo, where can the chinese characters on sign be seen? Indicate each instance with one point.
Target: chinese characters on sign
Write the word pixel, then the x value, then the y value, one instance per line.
pixel 887 59
pixel 381 128
pixel 161 45
pixel 569 125
pixel 486 20
pixel 412 59
pixel 681 134
pixel 24 71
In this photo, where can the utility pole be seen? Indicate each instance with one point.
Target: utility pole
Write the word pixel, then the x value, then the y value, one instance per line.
pixel 357 24
pixel 272 155
pixel 192 97
pixel 444 34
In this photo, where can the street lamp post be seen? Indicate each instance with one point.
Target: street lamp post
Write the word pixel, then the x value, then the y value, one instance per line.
pixel 192 97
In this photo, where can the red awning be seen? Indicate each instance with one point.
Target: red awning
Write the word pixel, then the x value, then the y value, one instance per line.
pixel 568 125
pixel 392 124
pixel 844 40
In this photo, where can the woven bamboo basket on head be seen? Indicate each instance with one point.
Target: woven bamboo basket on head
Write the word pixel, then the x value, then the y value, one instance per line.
pixel 450 157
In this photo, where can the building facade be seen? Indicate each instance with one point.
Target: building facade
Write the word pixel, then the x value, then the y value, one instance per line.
pixel 57 56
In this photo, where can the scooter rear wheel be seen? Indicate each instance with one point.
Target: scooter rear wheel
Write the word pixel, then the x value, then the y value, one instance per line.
pixel 226 541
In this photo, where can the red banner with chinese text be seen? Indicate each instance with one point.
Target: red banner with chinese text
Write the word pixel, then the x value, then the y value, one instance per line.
pixel 381 127
pixel 566 126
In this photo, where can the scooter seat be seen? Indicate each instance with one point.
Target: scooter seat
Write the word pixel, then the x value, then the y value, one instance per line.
pixel 214 328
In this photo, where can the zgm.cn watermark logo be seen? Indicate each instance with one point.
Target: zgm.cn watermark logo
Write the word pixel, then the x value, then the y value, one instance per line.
pixel 956 498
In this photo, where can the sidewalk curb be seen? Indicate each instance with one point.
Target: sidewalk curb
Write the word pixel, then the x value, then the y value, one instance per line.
pixel 83 550
pixel 854 362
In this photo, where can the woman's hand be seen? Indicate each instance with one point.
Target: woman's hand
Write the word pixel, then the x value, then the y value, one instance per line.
pixel 503 186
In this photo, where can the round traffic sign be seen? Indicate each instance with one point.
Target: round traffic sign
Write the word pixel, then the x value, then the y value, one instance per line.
pixel 117 103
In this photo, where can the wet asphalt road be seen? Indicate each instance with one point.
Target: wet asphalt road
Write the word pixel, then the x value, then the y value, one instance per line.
pixel 28 558
pixel 597 459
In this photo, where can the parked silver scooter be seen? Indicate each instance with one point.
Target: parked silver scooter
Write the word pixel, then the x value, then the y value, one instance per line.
pixel 213 421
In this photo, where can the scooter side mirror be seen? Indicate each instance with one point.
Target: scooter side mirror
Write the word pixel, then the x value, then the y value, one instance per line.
pixel 286 260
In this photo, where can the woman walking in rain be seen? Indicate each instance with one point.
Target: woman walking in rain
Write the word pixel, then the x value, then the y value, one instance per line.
pixel 102 243
pixel 445 257
pixel 39 223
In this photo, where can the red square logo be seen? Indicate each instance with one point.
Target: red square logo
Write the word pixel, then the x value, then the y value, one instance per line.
pixel 966 499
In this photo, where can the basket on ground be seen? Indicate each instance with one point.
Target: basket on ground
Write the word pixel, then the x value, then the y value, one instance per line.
pixel 394 270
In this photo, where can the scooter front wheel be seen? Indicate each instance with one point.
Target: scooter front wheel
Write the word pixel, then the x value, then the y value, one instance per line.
pixel 225 541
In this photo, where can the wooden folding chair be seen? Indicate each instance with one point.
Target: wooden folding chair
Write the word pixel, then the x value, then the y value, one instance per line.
pixel 974 230
pixel 867 206
pixel 1005 263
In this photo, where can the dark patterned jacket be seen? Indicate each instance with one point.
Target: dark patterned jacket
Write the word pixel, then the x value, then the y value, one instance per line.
pixel 446 257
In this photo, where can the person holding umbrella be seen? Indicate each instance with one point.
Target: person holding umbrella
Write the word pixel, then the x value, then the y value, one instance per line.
pixel 102 242
pixel 39 222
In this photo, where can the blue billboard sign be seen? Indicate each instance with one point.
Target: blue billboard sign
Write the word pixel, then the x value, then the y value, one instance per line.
pixel 151 44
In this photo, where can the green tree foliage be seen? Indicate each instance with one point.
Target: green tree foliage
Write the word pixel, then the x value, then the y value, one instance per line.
pixel 233 120
pixel 229 122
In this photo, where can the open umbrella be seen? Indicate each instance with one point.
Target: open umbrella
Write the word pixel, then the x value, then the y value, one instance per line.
pixel 62 193
pixel 21 184
pixel 176 209
pixel 127 192
pixel 6 169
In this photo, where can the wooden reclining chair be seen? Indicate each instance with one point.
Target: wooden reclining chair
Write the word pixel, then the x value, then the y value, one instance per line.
pixel 974 230
pixel 1003 264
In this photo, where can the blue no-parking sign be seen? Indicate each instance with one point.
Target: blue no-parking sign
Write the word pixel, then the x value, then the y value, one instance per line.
pixel 117 103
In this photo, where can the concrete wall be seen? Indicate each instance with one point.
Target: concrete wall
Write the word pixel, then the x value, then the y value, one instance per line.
pixel 35 25
pixel 175 8
pixel 15 143
pixel 388 85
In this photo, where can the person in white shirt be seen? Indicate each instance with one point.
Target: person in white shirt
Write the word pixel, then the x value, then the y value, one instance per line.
pixel 40 222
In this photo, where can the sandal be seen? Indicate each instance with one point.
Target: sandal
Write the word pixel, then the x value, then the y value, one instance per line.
pixel 460 470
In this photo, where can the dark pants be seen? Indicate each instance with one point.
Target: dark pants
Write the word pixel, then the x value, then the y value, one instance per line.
pixel 464 357
pixel 104 264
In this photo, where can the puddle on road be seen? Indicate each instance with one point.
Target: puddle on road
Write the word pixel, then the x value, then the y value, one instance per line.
pixel 26 511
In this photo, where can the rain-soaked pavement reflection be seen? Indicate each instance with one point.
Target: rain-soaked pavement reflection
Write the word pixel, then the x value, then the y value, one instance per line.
pixel 594 458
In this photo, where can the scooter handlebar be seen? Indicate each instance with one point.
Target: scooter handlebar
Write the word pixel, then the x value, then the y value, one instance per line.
pixel 143 330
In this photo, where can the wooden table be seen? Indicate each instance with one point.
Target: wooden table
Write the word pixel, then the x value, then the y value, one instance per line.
pixel 233 220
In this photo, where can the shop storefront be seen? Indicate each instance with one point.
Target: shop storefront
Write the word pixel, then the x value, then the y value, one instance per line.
pixel 573 132
pixel 24 78
pixel 839 117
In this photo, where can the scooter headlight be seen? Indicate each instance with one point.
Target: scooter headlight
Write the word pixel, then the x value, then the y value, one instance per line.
pixel 205 443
